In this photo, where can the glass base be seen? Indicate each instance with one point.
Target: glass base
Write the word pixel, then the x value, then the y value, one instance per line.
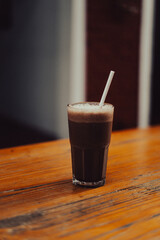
pixel 88 184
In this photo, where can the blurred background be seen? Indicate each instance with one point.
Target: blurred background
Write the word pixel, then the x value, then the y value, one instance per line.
pixel 55 52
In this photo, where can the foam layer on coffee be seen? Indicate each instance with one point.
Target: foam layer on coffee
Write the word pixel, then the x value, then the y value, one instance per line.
pixel 90 112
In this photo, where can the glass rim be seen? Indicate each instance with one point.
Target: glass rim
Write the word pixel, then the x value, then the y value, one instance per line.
pixel 71 105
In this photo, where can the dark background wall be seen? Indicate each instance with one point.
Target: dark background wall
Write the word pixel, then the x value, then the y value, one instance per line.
pixel 35 63
pixel 34 50
pixel 155 93
pixel 113 35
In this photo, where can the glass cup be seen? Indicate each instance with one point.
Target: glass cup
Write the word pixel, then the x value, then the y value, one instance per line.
pixel 90 128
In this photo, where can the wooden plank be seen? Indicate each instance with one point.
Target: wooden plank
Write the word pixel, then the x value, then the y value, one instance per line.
pixel 39 201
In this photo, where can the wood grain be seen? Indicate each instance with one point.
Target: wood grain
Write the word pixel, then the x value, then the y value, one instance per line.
pixel 39 201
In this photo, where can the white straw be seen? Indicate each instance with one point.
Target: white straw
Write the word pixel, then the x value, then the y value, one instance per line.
pixel 108 83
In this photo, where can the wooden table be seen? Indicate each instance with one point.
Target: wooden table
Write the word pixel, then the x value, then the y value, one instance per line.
pixel 39 201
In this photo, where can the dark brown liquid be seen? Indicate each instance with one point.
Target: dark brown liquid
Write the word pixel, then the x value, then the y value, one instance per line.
pixel 89 149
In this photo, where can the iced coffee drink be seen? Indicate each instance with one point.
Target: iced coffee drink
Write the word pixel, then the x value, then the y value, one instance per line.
pixel 90 128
